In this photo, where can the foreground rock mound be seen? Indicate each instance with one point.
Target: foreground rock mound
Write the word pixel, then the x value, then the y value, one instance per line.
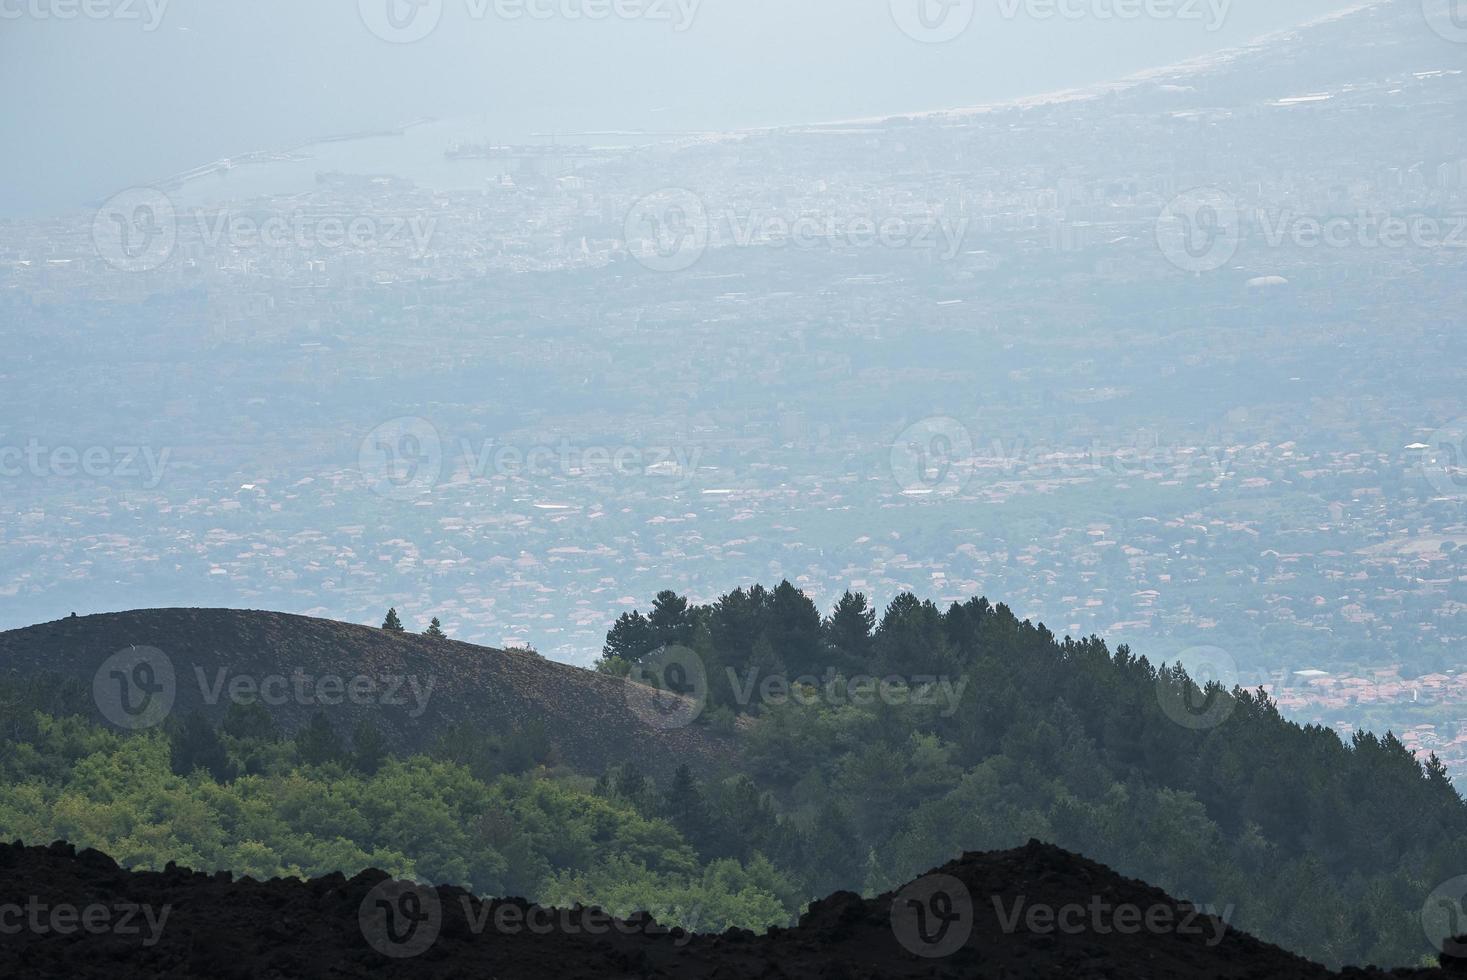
pixel 1036 911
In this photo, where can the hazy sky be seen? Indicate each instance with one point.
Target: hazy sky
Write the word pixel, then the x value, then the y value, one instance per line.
pixel 102 94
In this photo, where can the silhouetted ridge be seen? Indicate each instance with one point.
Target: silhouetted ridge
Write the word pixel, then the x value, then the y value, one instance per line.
pixel 216 926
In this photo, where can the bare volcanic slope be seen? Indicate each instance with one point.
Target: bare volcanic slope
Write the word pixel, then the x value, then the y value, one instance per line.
pixel 146 664
pixel 1036 911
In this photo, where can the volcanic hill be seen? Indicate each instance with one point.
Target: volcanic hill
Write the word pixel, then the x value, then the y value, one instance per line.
pixel 416 688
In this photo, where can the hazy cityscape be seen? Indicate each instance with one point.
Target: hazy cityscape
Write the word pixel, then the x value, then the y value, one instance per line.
pixel 651 388
pixel 635 441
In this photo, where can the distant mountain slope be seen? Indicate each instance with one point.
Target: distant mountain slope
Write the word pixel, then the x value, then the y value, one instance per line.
pixel 1035 911
pixel 411 687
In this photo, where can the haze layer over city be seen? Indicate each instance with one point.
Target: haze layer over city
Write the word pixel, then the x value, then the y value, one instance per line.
pixel 1169 356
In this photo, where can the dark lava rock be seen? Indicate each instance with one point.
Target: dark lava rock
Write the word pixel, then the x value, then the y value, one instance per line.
pixel 1036 911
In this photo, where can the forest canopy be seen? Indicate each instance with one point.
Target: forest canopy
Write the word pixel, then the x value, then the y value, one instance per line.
pixel 1323 846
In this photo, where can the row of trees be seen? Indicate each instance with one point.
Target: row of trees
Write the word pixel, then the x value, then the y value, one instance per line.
pixel 780 632
pixel 1327 847
pixel 249 799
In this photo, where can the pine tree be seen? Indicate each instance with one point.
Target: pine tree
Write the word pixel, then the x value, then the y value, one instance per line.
pixel 833 853
pixel 317 743
pixel 1439 780
pixel 635 788
pixel 249 721
pixel 849 630
pixel 435 630
pixel 630 639
pixel 684 807
pixel 671 620
pixel 194 744
pixel 392 624
pixel 526 747
pixel 911 638
pixel 369 748
pixel 793 626
pixel 746 819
